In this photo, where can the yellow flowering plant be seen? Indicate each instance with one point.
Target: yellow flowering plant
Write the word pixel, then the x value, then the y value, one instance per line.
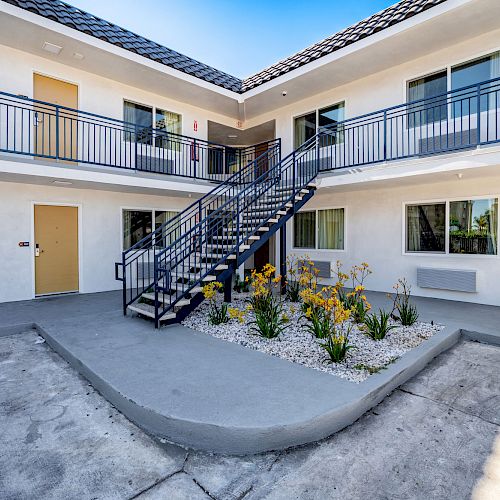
pixel 266 303
pixel 329 321
pixel 235 313
pixel 355 299
pixel 217 314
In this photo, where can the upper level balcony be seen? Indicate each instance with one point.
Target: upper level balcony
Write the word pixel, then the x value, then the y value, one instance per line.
pixel 462 119
pixel 459 120
pixel 39 130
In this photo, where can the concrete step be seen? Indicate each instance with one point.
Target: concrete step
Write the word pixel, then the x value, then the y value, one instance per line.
pixel 166 299
pixel 149 311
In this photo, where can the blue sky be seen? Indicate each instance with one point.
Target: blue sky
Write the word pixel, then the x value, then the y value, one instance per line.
pixel 239 37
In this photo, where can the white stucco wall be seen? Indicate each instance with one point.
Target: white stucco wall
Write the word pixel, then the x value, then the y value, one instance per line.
pixel 374 225
pixel 380 90
pixel 100 233
pixel 97 94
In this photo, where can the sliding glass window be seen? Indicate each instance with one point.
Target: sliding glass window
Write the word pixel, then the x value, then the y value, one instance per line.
pixel 304 230
pixel 471 73
pixel 430 110
pixel 426 228
pixel 474 226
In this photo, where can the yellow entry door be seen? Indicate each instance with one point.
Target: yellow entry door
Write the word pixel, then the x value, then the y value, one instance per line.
pixel 56 131
pixel 56 249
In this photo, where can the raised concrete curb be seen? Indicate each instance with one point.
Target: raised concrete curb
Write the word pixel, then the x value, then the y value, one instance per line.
pixel 349 402
pixel 204 393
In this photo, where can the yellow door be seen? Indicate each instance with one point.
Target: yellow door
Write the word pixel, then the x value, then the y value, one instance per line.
pixel 56 249
pixel 56 132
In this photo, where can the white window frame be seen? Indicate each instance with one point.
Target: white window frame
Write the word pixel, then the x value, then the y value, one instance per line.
pixel 446 67
pixel 316 234
pixel 142 209
pixel 446 201
pixel 154 108
pixel 316 111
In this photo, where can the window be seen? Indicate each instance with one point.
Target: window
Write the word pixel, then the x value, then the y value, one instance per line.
pixel 424 88
pixel 470 73
pixel 320 229
pixel 169 122
pixel 142 117
pixel 137 224
pixel 306 126
pixel 304 230
pixel 425 228
pixel 473 226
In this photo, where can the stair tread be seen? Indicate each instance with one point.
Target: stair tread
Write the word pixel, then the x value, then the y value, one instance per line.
pixel 149 311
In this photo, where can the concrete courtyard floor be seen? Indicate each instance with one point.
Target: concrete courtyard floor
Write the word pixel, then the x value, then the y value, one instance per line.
pixel 430 439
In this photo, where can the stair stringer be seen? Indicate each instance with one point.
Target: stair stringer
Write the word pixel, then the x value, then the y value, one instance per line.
pixel 198 298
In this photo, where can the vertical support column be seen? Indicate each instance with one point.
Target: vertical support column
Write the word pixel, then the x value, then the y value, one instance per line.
pixel 228 285
pixel 283 270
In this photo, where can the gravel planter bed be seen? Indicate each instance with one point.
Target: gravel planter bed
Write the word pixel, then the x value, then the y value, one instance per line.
pixel 296 344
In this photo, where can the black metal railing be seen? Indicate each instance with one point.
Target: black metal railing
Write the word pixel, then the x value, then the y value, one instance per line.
pixel 459 119
pixel 137 266
pixel 48 131
pixel 197 253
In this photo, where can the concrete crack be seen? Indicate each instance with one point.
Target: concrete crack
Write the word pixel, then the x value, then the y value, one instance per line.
pixel 443 404
pixel 150 487
pixel 204 489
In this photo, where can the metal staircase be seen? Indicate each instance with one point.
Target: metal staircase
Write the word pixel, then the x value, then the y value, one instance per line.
pixel 164 273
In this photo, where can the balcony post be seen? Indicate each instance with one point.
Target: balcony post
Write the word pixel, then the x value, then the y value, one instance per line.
pixel 283 270
pixel 194 159
pixel 478 93
pixel 57 132
pixel 385 135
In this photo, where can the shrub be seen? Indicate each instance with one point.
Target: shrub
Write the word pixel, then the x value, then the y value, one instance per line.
pixel 269 322
pixel 337 346
pixel 402 309
pixel 217 314
pixel 377 326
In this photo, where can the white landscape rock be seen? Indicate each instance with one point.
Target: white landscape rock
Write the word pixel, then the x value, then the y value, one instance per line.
pixel 296 343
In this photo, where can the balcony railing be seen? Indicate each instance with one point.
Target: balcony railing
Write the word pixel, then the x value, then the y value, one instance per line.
pixel 49 131
pixel 460 119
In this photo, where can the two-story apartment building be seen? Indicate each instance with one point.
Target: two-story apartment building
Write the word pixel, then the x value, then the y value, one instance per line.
pixel 106 136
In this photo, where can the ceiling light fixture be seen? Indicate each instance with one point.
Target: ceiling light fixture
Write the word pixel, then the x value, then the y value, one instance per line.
pixel 52 48
pixel 78 56
pixel 62 183
pixel 232 136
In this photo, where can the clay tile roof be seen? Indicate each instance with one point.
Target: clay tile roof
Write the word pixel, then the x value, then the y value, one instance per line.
pixel 80 20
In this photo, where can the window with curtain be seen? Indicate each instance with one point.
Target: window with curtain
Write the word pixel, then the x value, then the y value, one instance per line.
pixel 473 226
pixel 331 229
pixel 142 117
pixel 330 116
pixel 137 224
pixel 422 113
pixel 304 128
pixel 471 73
pixel 168 235
pixel 426 227
pixel 169 122
pixel 304 230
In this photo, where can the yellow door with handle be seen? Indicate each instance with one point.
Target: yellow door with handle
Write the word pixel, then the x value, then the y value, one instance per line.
pixel 56 132
pixel 56 249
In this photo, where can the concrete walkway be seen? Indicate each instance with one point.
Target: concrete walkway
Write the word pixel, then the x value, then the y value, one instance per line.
pixel 205 393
